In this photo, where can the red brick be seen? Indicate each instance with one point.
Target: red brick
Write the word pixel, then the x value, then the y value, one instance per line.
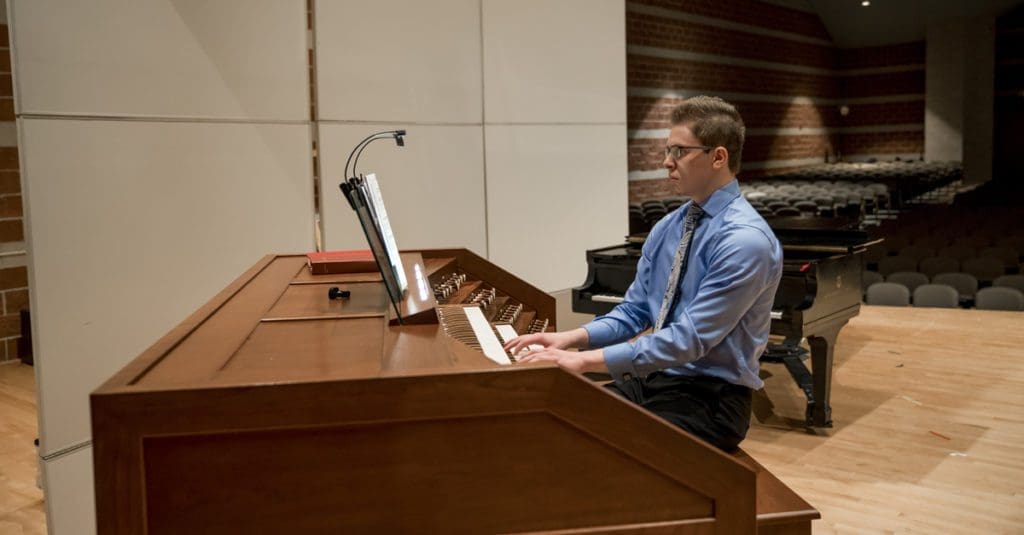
pixel 10 206
pixel 882 56
pixel 750 12
pixel 15 277
pixel 15 301
pixel 655 31
pixel 12 230
pixel 10 182
pixel 646 71
pixel 8 158
pixel 7 109
pixel 10 325
pixel 873 85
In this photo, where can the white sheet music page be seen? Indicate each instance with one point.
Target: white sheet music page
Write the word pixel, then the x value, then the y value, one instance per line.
pixel 377 205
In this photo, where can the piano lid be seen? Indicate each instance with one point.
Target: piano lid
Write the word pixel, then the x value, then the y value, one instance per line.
pixel 832 234
pixel 820 234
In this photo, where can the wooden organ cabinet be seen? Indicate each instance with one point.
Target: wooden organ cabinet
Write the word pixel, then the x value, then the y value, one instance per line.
pixel 273 409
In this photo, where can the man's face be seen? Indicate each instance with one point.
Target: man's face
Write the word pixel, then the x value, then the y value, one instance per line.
pixel 691 173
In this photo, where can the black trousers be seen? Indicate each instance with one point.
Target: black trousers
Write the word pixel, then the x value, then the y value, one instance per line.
pixel 715 410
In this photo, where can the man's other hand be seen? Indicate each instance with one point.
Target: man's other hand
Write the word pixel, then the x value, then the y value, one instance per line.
pixel 559 340
pixel 574 361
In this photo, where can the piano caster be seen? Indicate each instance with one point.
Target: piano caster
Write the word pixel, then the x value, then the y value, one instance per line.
pixel 825 418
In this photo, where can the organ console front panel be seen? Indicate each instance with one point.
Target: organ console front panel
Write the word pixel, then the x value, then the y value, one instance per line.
pixel 277 408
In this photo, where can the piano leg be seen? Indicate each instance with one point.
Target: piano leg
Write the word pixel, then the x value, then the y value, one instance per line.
pixel 823 343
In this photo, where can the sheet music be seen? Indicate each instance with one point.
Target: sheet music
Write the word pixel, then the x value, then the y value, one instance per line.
pixel 381 216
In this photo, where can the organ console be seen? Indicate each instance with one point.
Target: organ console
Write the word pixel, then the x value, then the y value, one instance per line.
pixel 275 409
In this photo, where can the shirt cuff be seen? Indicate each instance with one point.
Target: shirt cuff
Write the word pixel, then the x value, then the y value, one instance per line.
pixel 619 359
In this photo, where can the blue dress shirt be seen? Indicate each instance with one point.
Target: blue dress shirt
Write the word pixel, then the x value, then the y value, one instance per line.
pixel 720 321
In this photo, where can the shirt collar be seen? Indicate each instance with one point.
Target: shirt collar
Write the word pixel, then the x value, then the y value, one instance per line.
pixel 721 198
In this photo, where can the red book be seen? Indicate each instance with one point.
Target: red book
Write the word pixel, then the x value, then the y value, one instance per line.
pixel 353 261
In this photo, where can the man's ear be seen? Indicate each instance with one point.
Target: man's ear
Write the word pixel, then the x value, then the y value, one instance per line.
pixel 721 157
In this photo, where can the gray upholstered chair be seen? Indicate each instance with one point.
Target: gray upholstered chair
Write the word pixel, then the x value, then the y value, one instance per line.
pixel 1010 281
pixel 965 283
pixel 984 269
pixel 934 265
pixel 936 295
pixel 999 298
pixel 910 279
pixel 892 264
pixel 888 294
pixel 869 278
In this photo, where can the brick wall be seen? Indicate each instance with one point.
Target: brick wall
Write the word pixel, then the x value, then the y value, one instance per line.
pixel 883 87
pixel 781 70
pixel 13 274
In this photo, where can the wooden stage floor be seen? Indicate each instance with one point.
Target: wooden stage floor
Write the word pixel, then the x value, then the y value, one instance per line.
pixel 928 406
pixel 928 436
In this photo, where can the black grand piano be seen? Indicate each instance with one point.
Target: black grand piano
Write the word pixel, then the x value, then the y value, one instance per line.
pixel 820 291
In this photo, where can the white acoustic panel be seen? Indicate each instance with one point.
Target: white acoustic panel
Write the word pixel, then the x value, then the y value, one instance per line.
pixel 552 193
pixel 70 494
pixel 433 187
pixel 132 226
pixel 554 62
pixel 168 58
pixel 399 60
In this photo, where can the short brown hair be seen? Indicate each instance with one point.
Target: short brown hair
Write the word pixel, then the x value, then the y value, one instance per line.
pixel 716 123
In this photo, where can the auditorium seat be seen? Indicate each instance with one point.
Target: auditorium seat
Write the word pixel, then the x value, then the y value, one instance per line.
pixel 936 296
pixel 892 264
pixel 910 279
pixel 888 294
pixel 934 265
pixel 930 241
pixel 999 298
pixel 894 242
pixel 1012 242
pixel 869 278
pixel 965 283
pixel 917 252
pixel 1007 256
pixel 1010 281
pixel 787 211
pixel 985 270
pixel 960 252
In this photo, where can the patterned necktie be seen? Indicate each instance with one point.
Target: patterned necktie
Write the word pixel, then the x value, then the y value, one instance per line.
pixel 693 214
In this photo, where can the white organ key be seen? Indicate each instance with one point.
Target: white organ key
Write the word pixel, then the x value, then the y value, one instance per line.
pixel 488 341
pixel 506 332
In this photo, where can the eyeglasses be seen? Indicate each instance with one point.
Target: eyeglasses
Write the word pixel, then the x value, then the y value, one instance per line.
pixel 678 151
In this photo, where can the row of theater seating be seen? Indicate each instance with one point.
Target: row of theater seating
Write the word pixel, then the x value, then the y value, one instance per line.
pixel 809 199
pixel 943 296
pixel 827 190
pixel 824 198
pixel 966 285
pixel 925 173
